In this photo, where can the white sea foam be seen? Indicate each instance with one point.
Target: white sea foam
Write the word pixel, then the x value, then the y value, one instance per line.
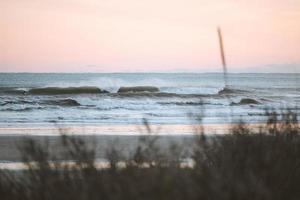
pixel 180 94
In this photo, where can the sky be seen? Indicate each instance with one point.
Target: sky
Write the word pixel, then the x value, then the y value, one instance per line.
pixel 149 35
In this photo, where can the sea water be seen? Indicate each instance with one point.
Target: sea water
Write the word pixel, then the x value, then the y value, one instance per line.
pixel 181 100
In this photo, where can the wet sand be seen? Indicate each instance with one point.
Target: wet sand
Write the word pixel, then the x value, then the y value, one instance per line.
pixel 10 145
pixel 101 137
pixel 119 130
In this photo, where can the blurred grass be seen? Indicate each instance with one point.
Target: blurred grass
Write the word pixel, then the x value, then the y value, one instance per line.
pixel 244 164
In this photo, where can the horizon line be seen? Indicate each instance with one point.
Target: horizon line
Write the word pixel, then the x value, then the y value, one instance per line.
pixel 190 72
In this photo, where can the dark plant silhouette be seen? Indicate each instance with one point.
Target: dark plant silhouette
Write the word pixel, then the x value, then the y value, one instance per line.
pixel 244 164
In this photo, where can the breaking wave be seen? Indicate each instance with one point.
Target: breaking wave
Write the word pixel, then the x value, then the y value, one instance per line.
pixel 16 102
pixel 62 102
pixel 227 90
pixel 158 94
pixel 189 103
pixel 68 90
pixel 21 109
pixel 12 91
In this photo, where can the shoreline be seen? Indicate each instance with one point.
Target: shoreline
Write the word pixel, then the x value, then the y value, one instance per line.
pixel 10 145
pixel 125 137
pixel 118 130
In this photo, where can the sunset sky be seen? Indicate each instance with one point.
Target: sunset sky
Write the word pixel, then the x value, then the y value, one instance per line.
pixel 148 36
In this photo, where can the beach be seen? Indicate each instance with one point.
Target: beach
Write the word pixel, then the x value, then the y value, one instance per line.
pixel 124 136
pixel 115 107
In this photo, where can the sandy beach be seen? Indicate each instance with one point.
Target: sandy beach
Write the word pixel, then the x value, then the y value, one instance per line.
pixel 125 137
pixel 9 145
pixel 119 130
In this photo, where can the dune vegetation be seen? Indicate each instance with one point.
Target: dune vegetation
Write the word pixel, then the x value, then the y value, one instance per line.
pixel 244 164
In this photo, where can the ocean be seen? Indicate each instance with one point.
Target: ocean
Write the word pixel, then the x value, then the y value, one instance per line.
pixel 78 100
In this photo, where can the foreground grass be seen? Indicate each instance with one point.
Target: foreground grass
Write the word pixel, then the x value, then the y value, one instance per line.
pixel 241 165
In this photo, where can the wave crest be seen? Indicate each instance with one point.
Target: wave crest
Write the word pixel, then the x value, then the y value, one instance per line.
pixel 227 90
pixel 62 102
pixel 138 89
pixel 68 90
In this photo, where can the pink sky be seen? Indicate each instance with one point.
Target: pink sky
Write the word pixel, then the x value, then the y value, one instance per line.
pixel 152 35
